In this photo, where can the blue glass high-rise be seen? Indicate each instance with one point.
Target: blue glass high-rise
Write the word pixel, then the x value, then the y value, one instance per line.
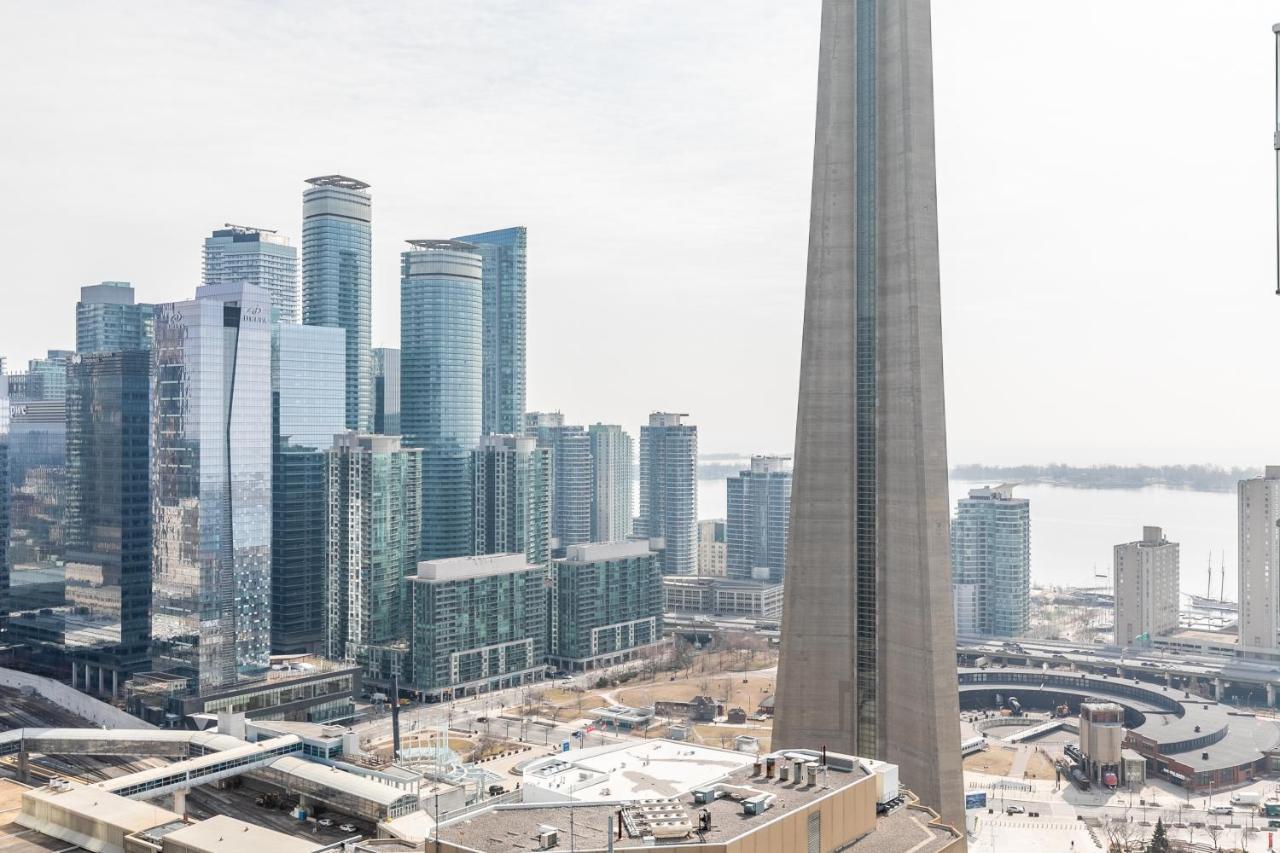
pixel 440 376
pixel 211 485
pixel 336 283
pixel 238 253
pixel 108 528
pixel 108 320
pixel 503 253
pixel 308 405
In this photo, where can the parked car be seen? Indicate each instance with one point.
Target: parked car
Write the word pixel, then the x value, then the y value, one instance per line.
pixel 348 827
pixel 1015 810
pixel 1221 810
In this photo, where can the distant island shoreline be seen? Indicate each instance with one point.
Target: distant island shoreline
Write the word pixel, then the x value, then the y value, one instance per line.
pixel 1194 478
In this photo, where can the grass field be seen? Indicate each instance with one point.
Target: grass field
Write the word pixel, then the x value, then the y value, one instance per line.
pixel 729 688
pixel 1040 767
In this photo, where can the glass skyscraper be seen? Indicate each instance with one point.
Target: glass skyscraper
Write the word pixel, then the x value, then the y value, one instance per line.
pixel 376 493
pixel 236 253
pixel 308 408
pixel 440 363
pixel 211 485
pixel 386 391
pixel 503 253
pixel 37 528
pixel 108 320
pixel 4 504
pixel 991 562
pixel 336 283
pixel 613 477
pixel 571 478
pixel 606 603
pixel 669 490
pixel 44 379
pixel 108 538
pixel 512 495
pixel 759 512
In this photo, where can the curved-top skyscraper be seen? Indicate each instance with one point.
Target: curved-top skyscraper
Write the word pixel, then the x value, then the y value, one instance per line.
pixel 441 345
pixel 868 642
pixel 336 279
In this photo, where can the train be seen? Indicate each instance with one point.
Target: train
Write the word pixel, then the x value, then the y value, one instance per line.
pixel 972 745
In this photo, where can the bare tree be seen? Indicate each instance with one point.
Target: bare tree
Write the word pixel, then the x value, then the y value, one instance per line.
pixel 1119 833
pixel 1214 831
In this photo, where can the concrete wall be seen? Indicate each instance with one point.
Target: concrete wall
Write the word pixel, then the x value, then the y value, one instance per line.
pixel 97 712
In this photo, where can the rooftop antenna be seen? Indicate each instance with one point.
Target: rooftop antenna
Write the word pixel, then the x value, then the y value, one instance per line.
pixel 1208 588
pixel 1276 143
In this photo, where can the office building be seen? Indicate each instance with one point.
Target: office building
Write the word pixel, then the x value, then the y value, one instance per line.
pixel 868 635
pixel 336 282
pixel 386 391
pixel 211 486
pixel 4 503
pixel 479 623
pixel 723 597
pixel 606 604
pixel 108 541
pixel 375 488
pixel 991 563
pixel 503 253
pixel 613 479
pixel 1259 513
pixel 108 320
pixel 37 532
pixel 512 494
pixel 669 490
pixel 1145 581
pixel 238 254
pixel 308 408
pixel 44 378
pixel 572 479
pixel 759 510
pixel 713 548
pixel 440 374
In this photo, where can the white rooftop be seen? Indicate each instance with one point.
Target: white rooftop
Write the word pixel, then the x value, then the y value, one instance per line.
pixel 225 834
pixel 653 769
pixel 462 568
pixel 595 551
pixel 93 804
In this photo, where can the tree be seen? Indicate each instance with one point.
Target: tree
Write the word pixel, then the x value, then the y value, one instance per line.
pixel 1159 839
pixel 1213 830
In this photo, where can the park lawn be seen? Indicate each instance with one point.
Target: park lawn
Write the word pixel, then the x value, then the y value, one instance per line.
pixel 995 761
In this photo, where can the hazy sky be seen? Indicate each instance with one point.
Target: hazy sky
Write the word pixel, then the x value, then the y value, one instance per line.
pixel 1105 193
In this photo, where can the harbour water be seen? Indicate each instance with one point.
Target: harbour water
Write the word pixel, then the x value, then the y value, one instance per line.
pixel 1073 531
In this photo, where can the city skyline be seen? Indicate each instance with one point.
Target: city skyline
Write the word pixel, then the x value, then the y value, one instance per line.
pixel 992 178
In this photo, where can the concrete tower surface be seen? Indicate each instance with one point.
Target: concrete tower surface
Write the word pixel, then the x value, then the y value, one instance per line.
pixel 868 641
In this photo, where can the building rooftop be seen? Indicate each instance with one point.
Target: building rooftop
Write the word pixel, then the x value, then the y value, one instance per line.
pixel 464 568
pixel 225 834
pixel 90 805
pixel 341 781
pixel 340 181
pixel 664 788
pixel 595 551
pixel 432 245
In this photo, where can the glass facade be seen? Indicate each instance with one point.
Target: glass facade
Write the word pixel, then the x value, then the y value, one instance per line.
pixel 37 527
pixel 759 513
pixel 336 283
pixel 108 550
pixel 512 497
pixel 606 599
pixel 572 476
pixel 612 477
pixel 991 562
pixel 375 488
pixel 386 391
pixel 4 504
pixel 503 253
pixel 478 624
pixel 236 254
pixel 108 320
pixel 440 361
pixel 669 490
pixel 308 408
pixel 211 485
